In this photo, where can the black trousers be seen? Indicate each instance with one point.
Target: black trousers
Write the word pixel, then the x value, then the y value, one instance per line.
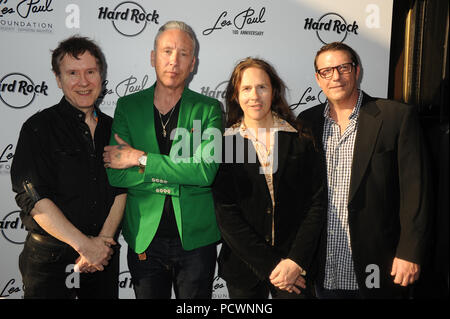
pixel 47 264
pixel 262 289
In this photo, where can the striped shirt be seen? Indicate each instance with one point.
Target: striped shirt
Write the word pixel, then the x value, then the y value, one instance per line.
pixel 339 270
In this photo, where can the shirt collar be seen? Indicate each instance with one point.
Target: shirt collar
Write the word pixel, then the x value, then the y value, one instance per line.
pixel 353 115
pixel 279 124
pixel 72 111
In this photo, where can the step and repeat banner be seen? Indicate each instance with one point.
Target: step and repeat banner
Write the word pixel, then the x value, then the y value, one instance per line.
pixel 287 33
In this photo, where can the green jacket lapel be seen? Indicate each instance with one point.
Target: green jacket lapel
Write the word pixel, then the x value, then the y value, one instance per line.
pixel 185 110
pixel 149 133
pixel 279 157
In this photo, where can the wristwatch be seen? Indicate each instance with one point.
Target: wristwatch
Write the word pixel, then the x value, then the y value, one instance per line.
pixel 142 163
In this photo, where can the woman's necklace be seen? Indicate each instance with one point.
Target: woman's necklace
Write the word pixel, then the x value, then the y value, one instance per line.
pixel 167 122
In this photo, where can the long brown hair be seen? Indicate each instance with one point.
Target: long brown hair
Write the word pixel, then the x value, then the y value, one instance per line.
pixel 279 104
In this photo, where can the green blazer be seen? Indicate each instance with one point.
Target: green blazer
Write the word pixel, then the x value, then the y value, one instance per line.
pixel 186 174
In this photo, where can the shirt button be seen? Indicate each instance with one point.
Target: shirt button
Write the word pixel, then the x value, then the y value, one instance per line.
pixel 269 211
pixel 86 132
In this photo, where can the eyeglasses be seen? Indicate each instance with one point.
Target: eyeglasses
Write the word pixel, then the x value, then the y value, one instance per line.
pixel 327 73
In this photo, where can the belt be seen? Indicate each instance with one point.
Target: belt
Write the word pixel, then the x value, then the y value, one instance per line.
pixel 46 239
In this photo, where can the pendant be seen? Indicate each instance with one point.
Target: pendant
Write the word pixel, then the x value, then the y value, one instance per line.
pixel 164 132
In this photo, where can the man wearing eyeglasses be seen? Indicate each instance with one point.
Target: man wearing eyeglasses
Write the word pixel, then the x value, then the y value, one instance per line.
pixel 378 185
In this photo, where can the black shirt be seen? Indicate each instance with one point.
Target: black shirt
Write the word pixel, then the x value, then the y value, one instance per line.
pixel 57 157
pixel 167 226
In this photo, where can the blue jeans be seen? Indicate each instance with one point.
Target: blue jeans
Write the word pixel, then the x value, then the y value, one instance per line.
pixel 262 290
pixel 190 272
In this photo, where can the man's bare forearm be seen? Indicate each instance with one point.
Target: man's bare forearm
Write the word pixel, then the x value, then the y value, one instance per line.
pixel 53 221
pixel 114 217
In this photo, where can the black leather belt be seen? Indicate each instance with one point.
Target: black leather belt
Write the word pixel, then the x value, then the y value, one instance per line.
pixel 46 239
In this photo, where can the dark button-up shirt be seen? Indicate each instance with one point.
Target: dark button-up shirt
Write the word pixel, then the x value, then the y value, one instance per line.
pixel 58 159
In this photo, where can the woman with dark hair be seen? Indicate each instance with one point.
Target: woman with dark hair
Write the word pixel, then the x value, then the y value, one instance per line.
pixel 269 191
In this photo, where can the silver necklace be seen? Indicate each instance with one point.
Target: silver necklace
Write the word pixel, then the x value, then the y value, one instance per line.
pixel 167 122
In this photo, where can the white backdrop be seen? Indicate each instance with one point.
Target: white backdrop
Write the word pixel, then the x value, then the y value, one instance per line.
pixel 287 33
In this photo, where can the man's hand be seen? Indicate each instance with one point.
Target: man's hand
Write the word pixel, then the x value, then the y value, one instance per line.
pixel 287 276
pixel 82 265
pixel 122 155
pixel 405 272
pixel 95 254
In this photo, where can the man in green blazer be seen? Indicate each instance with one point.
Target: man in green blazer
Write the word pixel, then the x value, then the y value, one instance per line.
pixel 163 142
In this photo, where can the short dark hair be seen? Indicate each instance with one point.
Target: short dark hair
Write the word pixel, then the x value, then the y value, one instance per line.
pixel 337 46
pixel 279 104
pixel 76 46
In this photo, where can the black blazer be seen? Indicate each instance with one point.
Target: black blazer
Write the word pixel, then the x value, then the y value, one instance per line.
pixel 389 197
pixel 244 209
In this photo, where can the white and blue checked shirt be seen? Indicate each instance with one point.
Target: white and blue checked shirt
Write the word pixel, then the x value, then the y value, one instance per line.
pixel 339 270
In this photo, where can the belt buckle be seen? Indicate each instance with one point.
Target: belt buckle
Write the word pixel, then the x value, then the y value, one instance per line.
pixel 142 256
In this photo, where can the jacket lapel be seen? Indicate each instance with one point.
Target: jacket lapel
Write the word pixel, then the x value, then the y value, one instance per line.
pixel 280 153
pixel 313 122
pixel 184 121
pixel 147 119
pixel 368 128
pixel 318 127
pixel 250 162
pixel 185 110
